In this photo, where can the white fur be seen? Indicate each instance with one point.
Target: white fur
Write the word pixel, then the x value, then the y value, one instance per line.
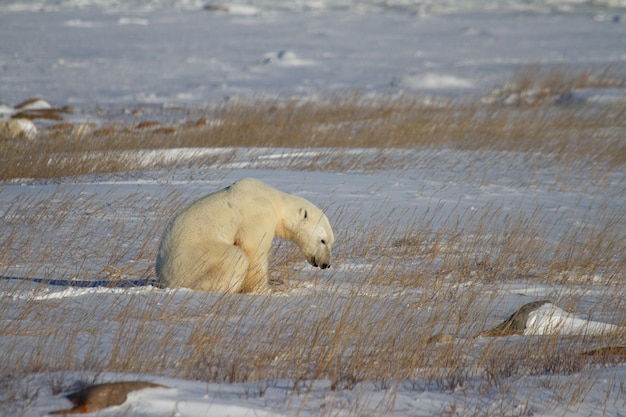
pixel 222 242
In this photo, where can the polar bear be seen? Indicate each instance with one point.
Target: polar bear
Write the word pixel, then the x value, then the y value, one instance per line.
pixel 222 242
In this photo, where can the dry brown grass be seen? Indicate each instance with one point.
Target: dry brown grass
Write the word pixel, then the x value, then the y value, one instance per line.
pixel 537 85
pixel 570 132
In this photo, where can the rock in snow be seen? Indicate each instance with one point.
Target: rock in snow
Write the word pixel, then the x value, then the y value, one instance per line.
pixel 15 128
pixel 544 318
pixel 97 397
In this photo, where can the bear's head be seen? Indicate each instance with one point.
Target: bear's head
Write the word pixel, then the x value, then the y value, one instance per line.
pixel 310 229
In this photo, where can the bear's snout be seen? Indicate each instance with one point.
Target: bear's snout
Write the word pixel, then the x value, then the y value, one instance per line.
pixel 323 265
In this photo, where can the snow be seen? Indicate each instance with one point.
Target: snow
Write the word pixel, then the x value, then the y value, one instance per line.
pixel 417 190
pixel 431 81
pixel 550 319
pixel 185 398
pixel 164 54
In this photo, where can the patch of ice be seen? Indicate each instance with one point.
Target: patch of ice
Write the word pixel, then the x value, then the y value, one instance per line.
pixel 133 21
pixel 430 81
pixel 242 9
pixel 79 23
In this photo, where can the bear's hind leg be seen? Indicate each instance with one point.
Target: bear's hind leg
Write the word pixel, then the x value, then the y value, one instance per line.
pixel 221 268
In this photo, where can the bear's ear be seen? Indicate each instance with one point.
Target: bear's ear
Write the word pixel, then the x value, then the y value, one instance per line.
pixel 304 213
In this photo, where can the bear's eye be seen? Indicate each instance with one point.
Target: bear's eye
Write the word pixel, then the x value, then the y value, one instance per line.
pixel 323 242
pixel 306 214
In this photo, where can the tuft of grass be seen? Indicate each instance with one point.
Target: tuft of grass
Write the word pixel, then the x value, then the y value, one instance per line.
pixel 535 85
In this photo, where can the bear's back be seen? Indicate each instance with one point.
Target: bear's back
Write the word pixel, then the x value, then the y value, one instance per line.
pixel 220 212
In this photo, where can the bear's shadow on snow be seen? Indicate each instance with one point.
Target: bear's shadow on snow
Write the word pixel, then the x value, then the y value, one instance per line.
pixel 84 283
pixel 276 285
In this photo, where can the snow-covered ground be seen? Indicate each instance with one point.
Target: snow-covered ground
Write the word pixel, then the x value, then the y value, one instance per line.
pixel 353 200
pixel 106 57
pixel 98 54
